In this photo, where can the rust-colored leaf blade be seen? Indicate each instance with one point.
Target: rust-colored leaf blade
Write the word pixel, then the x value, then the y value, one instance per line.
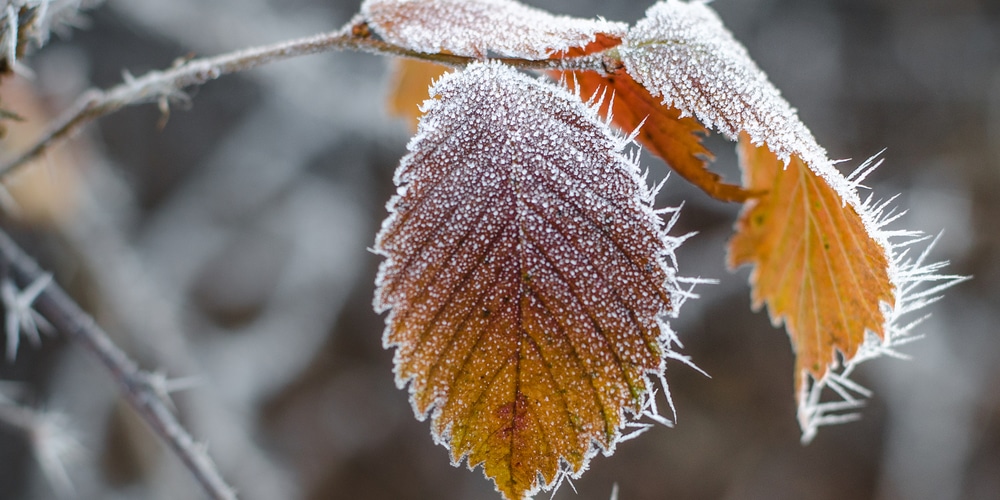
pixel 675 138
pixel 526 275
pixel 487 28
pixel 817 267
pixel 408 87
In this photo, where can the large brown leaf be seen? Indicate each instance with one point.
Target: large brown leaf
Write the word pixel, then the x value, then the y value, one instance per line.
pixel 526 275
pixel 817 266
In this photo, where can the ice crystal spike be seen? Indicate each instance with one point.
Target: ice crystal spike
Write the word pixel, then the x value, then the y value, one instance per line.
pixel 527 277
pixel 830 270
pixel 482 28
pixel 21 317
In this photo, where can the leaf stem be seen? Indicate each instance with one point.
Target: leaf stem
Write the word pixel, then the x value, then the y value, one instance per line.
pixel 162 86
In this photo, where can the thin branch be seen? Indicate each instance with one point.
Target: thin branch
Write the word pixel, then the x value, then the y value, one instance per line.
pixel 162 86
pixel 139 387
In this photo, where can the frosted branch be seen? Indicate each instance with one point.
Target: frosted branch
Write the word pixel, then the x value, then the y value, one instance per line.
pixel 143 390
pixel 164 86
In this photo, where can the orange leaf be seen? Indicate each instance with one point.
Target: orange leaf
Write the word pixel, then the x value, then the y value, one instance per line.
pixel 675 139
pixel 408 88
pixel 526 275
pixel 486 28
pixel 816 265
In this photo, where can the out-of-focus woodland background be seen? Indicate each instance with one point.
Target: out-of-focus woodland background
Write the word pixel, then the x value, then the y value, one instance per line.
pixel 230 245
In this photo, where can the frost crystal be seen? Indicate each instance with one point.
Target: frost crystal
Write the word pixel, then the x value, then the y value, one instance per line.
pixel 21 317
pixel 24 20
pixel 528 278
pixel 482 28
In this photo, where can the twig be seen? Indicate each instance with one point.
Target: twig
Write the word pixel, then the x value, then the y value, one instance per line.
pixel 138 386
pixel 161 86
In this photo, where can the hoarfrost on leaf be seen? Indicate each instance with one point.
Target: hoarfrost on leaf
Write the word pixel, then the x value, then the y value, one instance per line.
pixel 683 53
pixel 483 28
pixel 917 284
pixel 527 277
pixel 840 281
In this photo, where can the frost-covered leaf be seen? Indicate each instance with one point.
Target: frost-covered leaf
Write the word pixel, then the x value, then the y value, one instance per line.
pixel 527 276
pixel 828 268
pixel 408 87
pixel 486 28
pixel 816 265
pixel 675 139
pixel 682 53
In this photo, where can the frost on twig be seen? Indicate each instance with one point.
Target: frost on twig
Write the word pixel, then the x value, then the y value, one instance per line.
pixel 163 386
pixel 145 392
pixel 165 86
pixel 20 317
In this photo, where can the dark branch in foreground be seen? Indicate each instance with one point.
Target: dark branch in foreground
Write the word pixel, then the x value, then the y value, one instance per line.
pixel 139 387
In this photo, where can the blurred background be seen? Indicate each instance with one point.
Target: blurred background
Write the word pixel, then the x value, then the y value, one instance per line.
pixel 229 245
